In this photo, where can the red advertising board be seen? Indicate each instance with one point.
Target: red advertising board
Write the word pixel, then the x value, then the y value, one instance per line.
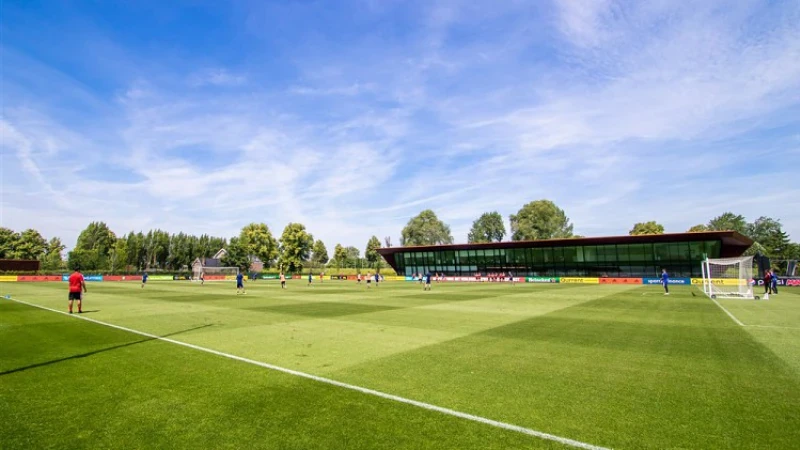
pixel 620 281
pixel 122 278
pixel 32 278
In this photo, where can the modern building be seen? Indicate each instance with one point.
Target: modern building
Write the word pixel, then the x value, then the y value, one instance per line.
pixel 620 256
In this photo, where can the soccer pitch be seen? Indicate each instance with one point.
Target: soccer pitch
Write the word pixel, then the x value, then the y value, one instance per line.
pixel 599 366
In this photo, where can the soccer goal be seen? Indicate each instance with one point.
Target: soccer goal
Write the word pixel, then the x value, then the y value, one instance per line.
pixel 729 278
pixel 214 273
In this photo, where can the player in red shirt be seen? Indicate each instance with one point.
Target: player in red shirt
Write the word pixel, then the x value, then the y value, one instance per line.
pixel 77 286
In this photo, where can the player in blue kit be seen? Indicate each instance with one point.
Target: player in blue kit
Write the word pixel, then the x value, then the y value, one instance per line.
pixel 144 279
pixel 310 278
pixel 665 281
pixel 240 284
pixel 427 286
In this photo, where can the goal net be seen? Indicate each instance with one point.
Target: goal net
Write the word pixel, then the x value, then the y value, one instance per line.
pixel 214 273
pixel 728 277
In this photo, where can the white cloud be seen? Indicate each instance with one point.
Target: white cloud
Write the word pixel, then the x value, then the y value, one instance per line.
pixel 349 90
pixel 216 77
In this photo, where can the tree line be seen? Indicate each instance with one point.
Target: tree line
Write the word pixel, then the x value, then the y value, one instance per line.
pixel 31 245
pixel 543 219
pixel 98 248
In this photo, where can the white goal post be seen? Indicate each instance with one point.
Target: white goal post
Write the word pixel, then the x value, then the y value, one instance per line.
pixel 729 278
pixel 214 273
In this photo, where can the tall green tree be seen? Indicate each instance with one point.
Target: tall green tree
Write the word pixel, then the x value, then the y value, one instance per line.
pixel 136 250
pixel 540 219
pixel 9 240
pixel 371 253
pixel 258 241
pixel 489 227
pixel 353 256
pixel 236 255
pixel 755 249
pixel 426 229
pixel 118 256
pixel 215 244
pixel 53 259
pixel 96 236
pixel 728 221
pixel 339 256
pixel 319 253
pixel 203 248
pixel 179 254
pixel 31 245
pixel 157 247
pixel 698 228
pixel 651 227
pixel 793 251
pixel 769 233
pixel 86 260
pixel 295 247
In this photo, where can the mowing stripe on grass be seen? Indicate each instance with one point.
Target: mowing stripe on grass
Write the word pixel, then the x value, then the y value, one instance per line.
pixel 428 406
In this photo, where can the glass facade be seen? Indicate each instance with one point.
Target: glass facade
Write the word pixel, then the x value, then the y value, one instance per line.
pixel 681 259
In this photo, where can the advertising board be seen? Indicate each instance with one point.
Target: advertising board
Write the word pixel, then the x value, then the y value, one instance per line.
pixel 122 278
pixel 164 278
pixel 541 280
pixel 791 281
pixel 38 278
pixel 578 280
pixel 671 281
pixel 620 281
pixel 720 281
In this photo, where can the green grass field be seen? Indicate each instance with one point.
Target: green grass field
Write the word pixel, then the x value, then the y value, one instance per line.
pixel 609 366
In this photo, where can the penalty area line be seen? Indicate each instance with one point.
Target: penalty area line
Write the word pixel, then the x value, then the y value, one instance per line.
pixel 363 390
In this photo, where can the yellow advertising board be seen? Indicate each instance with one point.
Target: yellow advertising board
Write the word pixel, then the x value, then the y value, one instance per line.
pixel 579 280
pixel 722 281
pixel 8 278
pixel 395 278
pixel 230 277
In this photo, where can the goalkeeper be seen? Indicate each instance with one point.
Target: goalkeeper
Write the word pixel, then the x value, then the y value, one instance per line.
pixel 665 281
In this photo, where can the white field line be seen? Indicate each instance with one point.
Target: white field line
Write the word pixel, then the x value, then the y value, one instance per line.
pixel 774 326
pixel 423 405
pixel 741 324
pixel 738 322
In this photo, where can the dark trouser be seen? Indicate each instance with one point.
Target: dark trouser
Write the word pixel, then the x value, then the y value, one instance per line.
pixel 775 288
pixel 666 288
pixel 768 287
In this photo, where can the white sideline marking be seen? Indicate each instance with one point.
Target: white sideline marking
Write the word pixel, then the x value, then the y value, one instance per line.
pixel 739 322
pixel 774 326
pixel 428 406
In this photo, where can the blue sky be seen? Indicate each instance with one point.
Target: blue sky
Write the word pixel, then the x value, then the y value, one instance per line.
pixel 352 116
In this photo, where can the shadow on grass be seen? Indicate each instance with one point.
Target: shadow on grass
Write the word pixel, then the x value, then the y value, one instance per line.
pixel 95 352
